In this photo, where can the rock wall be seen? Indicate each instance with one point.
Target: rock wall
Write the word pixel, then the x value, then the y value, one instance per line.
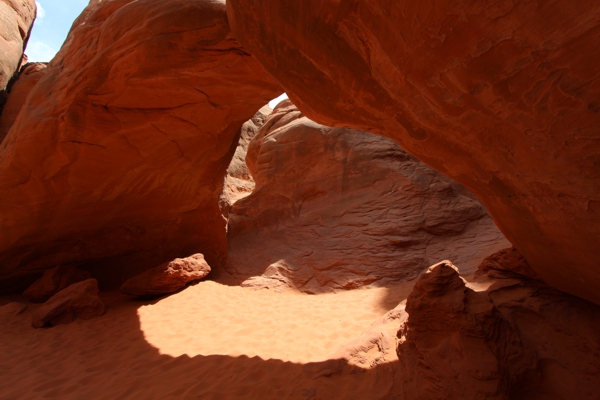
pixel 502 96
pixel 16 20
pixel 502 337
pixel 341 209
pixel 116 161
pixel 28 77
pixel 238 181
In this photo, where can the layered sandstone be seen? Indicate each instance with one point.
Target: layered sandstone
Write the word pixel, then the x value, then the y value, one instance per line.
pixel 508 337
pixel 116 161
pixel 501 96
pixel 506 260
pixel 338 209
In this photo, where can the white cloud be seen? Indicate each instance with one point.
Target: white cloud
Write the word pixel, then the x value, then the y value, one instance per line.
pixel 39 51
pixel 41 13
pixel 276 101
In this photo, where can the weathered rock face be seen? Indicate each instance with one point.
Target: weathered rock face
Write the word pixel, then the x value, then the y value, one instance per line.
pixel 53 281
pixel 29 76
pixel 501 96
pixel 448 321
pixel 238 181
pixel 341 209
pixel 167 278
pixel 519 339
pixel 506 260
pixel 117 159
pixel 79 300
pixel 16 19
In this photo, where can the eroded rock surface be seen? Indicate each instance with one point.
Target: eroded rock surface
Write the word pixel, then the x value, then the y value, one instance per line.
pixel 53 281
pixel 80 300
pixel 29 76
pixel 167 278
pixel 16 19
pixel 117 159
pixel 341 209
pixel 506 260
pixel 506 338
pixel 238 181
pixel 501 96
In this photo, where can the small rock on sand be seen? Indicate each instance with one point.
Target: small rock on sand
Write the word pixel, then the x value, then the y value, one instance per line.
pixel 80 300
pixel 167 278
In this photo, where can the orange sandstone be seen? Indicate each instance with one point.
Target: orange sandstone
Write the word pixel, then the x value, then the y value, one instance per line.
pixel 338 209
pixel 117 159
pixel 502 96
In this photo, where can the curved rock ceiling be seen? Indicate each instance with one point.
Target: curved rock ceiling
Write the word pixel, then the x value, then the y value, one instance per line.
pixel 502 96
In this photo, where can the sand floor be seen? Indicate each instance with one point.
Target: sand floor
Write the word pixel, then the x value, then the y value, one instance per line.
pixel 210 341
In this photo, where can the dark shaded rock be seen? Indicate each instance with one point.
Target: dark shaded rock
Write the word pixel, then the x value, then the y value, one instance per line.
pixel 80 300
pixel 14 308
pixel 53 281
pixel 516 339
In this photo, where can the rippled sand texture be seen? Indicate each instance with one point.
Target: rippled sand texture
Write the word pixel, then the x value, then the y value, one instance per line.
pixel 209 341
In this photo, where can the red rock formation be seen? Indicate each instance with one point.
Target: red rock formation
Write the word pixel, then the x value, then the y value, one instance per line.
pixel 341 209
pixel 519 339
pixel 455 341
pixel 53 281
pixel 501 96
pixel 117 159
pixel 16 19
pixel 79 300
pixel 506 260
pixel 238 181
pixel 167 278
pixel 29 76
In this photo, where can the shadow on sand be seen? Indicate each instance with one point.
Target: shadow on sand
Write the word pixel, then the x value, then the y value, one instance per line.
pixel 109 358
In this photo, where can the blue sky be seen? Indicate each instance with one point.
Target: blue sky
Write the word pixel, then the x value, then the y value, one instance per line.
pixel 52 25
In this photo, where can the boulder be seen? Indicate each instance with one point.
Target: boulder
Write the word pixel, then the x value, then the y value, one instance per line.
pixel 338 208
pixel 501 96
pixel 167 278
pixel 28 77
pixel 53 281
pixel 118 156
pixel 80 300
pixel 509 338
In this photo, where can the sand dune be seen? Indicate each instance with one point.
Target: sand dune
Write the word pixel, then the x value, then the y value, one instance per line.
pixel 210 341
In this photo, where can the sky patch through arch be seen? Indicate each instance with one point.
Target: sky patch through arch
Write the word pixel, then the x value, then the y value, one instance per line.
pixel 51 27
